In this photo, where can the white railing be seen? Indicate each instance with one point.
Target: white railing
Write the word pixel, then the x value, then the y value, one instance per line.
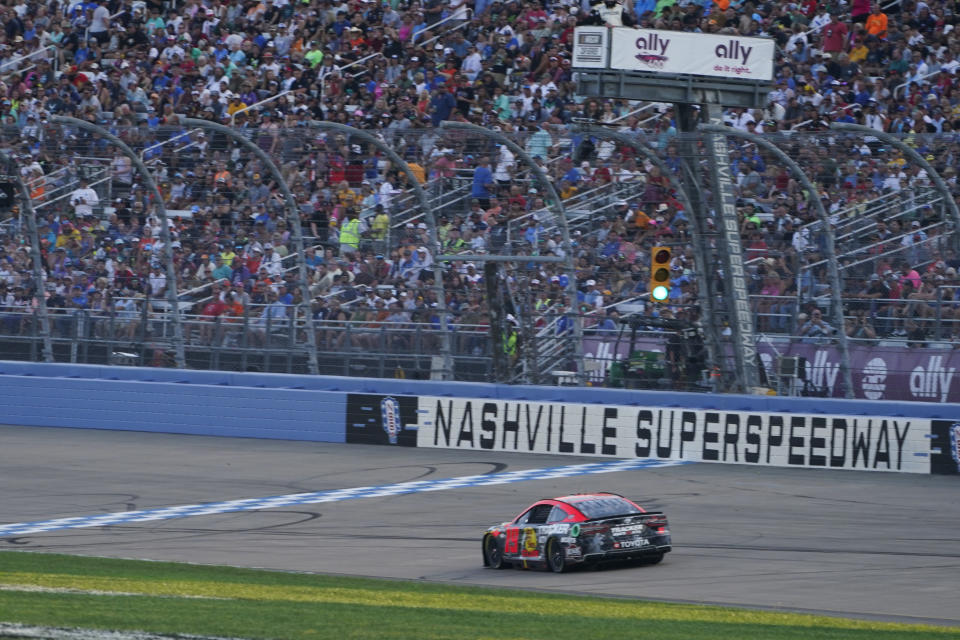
pixel 177 138
pixel 27 56
pixel 449 18
pixel 340 70
pixel 86 33
pixel 646 107
pixel 906 84
pixel 360 61
pixel 256 105
pixel 203 287
pixel 92 182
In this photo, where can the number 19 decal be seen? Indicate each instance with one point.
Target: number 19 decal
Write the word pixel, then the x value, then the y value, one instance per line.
pixel 513 540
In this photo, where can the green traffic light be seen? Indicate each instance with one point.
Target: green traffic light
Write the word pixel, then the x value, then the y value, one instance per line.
pixel 660 293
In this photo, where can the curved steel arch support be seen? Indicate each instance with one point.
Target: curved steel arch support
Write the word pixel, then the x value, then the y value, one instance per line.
pixel 705 301
pixel 835 283
pixel 172 297
pixel 292 213
pixel 568 264
pixel 27 213
pixel 445 348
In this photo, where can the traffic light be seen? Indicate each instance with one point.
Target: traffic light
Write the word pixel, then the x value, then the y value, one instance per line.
pixel 660 273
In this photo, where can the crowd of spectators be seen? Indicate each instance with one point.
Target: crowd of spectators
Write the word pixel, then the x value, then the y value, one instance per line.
pixel 399 70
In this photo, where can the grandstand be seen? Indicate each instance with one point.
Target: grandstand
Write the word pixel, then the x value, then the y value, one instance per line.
pixel 399 70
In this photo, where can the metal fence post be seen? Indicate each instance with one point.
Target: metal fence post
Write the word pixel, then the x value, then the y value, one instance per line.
pixel 172 297
pixel 28 214
pixel 293 214
pixel 712 341
pixel 445 349
pixel 836 300
pixel 572 312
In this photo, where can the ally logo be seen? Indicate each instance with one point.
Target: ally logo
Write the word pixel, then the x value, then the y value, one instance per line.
pixel 955 443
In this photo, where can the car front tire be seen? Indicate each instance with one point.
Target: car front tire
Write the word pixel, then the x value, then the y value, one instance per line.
pixel 492 554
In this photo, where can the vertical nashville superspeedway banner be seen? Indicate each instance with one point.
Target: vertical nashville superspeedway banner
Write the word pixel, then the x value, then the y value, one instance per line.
pixel 868 443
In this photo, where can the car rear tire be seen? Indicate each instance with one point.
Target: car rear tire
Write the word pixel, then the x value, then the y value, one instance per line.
pixel 556 556
pixel 492 553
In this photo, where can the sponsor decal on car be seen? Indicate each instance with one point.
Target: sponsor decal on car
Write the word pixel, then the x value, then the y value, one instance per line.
pixel 551 529
pixel 627 531
pixel 632 544
pixel 530 547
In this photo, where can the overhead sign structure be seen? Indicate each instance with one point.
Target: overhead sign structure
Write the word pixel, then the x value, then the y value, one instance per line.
pixel 674 52
pixel 591 47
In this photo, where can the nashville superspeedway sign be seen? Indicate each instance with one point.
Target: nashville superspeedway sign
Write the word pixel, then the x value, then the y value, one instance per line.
pixel 869 443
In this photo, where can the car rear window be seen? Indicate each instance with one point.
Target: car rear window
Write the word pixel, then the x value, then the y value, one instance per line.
pixel 605 507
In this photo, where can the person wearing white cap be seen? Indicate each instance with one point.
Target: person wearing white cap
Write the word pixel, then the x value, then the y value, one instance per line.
pixel 271 261
pixel 593 296
pixel 917 236
pixel 423 258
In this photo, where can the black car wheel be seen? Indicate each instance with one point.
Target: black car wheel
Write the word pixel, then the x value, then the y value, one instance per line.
pixel 492 553
pixel 556 556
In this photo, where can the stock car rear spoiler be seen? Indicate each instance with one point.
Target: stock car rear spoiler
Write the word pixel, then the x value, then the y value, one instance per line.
pixel 647 515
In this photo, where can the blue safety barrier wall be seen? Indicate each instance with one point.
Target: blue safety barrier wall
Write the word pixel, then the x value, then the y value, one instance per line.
pixel 90 397
pixel 315 407
pixel 587 395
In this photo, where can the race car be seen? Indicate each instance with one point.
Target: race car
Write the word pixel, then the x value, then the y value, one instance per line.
pixel 586 528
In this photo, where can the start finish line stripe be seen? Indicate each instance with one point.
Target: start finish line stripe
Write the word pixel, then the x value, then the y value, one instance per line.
pixel 271 502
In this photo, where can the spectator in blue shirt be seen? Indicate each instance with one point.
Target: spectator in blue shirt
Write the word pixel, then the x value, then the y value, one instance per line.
pixel 482 182
pixel 441 105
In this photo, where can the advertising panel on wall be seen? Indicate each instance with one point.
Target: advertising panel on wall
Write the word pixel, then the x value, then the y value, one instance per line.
pixel 866 443
pixel 879 373
pixel 677 52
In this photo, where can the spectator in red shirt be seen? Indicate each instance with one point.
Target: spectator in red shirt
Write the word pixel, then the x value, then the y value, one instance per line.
pixel 835 35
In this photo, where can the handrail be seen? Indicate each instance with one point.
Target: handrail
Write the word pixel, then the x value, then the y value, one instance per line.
pixel 829 113
pixel 649 105
pixel 174 138
pixel 207 285
pixel 426 43
pixel 340 70
pixel 450 18
pixel 360 61
pixel 894 239
pixel 859 229
pixel 256 105
pixel 45 177
pixel 69 193
pixel 907 83
pixel 29 55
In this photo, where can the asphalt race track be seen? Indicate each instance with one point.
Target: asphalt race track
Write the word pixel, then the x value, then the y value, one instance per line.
pixel 874 545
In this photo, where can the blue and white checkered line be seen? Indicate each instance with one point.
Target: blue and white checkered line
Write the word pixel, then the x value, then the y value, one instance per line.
pixel 272 502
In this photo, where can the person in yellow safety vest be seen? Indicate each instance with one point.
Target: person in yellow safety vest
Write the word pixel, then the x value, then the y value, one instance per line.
pixel 350 232
pixel 510 345
pixel 510 342
pixel 381 222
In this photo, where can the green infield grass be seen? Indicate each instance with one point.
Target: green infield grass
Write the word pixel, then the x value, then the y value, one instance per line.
pixel 97 593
